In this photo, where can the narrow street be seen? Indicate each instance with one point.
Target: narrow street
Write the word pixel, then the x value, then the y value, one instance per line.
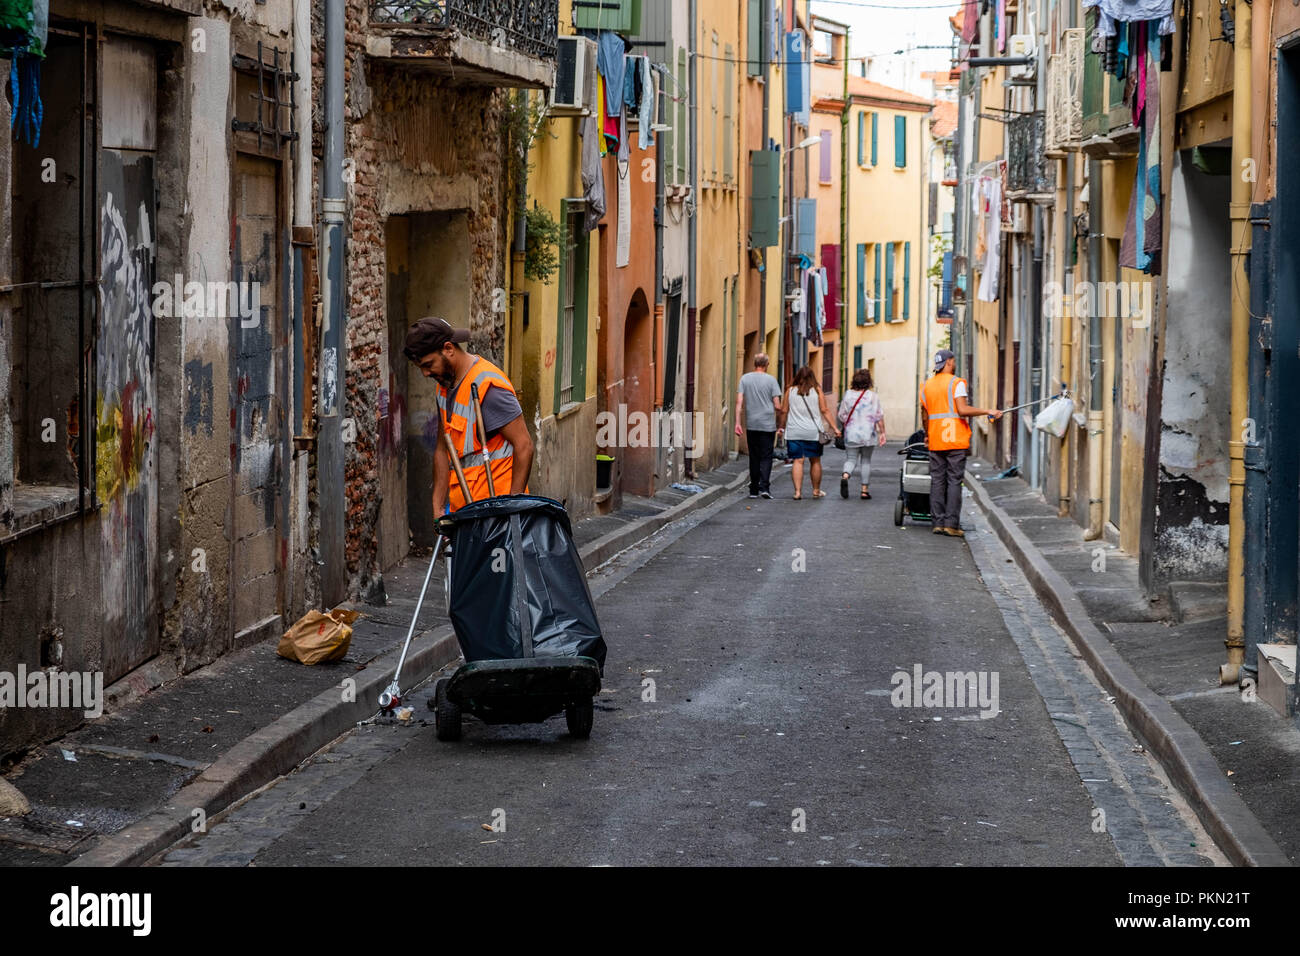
pixel 771 631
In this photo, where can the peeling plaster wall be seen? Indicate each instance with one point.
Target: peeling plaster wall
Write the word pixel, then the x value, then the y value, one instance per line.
pixel 1191 526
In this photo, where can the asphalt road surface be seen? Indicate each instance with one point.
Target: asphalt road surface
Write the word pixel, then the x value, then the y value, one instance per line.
pixel 773 633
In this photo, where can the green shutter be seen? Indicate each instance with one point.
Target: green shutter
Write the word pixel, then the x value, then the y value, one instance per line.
pixel 878 289
pixel 907 280
pixel 681 90
pixel 857 357
pixel 900 141
pixel 862 283
pixel 889 283
pixel 875 137
pixel 764 197
pixel 754 38
pixel 862 138
pixel 621 16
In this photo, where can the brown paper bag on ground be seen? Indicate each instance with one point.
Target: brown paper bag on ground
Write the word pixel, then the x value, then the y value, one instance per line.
pixel 319 638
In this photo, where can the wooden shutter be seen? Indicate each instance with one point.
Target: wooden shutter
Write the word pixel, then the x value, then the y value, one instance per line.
pixel 764 197
pixel 889 282
pixel 862 282
pixel 754 38
pixel 862 138
pixel 826 149
pixel 907 280
pixel 831 260
pixel 875 136
pixel 806 227
pixel 900 141
pixel 878 289
pixel 728 92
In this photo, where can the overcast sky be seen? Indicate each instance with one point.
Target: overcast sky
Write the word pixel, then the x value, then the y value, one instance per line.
pixel 873 30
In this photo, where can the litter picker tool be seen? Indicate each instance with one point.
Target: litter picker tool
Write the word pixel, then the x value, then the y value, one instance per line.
pixel 1063 393
pixel 392 695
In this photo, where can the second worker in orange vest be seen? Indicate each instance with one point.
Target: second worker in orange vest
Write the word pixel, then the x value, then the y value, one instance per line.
pixel 944 411
pixel 435 346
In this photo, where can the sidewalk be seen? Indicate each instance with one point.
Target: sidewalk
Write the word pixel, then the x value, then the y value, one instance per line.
pixel 1236 762
pixel 144 773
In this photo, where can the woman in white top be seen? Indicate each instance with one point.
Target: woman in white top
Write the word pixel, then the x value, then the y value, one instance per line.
pixel 806 416
pixel 864 428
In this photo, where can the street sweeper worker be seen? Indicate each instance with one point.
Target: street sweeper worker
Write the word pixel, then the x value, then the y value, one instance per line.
pixel 436 347
pixel 944 410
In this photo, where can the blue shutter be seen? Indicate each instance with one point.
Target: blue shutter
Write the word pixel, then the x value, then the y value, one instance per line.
pixel 764 197
pixel 857 357
pixel 900 141
pixel 796 89
pixel 907 280
pixel 875 136
pixel 889 283
pixel 862 283
pixel 878 289
pixel 806 228
pixel 862 138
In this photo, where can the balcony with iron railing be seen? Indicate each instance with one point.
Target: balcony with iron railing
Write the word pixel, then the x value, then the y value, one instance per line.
pixel 1030 174
pixel 508 43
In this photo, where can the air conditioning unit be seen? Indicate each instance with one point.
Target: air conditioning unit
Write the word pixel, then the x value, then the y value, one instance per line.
pixel 574 92
pixel 1021 44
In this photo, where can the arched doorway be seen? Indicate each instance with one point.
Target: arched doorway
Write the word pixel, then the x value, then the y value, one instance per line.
pixel 638 389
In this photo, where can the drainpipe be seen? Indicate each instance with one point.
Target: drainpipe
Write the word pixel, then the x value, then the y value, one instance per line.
pixel 1067 332
pixel 1095 362
pixel 329 466
pixel 1239 213
pixel 519 301
pixel 692 265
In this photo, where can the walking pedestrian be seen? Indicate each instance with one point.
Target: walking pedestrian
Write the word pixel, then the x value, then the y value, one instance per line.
pixel 806 417
pixel 864 429
pixel 758 403
pixel 944 411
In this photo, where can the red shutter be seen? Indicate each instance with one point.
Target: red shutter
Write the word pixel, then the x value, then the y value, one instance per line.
pixel 831 260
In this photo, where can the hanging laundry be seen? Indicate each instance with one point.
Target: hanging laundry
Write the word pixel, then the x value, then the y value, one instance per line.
pixel 1143 239
pixel 611 64
pixel 1112 12
pixel 24 30
pixel 649 97
pixel 988 290
pixel 593 182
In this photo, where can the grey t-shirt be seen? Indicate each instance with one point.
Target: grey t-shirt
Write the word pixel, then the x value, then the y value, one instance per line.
pixel 759 388
pixel 499 408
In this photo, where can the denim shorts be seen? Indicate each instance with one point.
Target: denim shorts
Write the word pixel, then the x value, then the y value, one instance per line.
pixel 803 449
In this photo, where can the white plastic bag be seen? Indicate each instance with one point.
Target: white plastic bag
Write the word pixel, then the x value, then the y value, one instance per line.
pixel 1055 418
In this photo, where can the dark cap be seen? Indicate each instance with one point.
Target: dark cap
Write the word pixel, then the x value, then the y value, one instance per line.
pixel 430 334
pixel 940 357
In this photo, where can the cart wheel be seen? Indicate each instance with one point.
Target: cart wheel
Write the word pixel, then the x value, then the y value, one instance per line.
pixel 446 714
pixel 579 717
pixel 898 512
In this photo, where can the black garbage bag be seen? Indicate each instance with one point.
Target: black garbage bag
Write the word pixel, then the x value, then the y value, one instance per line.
pixel 518 588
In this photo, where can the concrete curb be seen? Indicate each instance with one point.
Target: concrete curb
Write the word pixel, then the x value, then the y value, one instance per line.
pixel 280 746
pixel 1171 739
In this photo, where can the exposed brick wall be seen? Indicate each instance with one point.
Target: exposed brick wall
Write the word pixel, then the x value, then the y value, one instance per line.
pixel 407 132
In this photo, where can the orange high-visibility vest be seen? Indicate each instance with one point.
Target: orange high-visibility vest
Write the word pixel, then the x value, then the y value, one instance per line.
pixel 457 421
pixel 945 429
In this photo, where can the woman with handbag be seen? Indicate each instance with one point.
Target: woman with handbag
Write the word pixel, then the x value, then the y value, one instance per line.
pixel 864 428
pixel 806 417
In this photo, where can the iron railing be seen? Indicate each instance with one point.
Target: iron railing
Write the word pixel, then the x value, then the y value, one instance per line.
pixel 1028 169
pixel 526 26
